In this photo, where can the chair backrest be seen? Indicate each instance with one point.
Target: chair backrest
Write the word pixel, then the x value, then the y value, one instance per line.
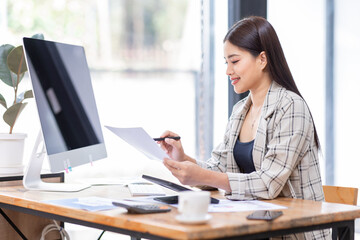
pixel 344 195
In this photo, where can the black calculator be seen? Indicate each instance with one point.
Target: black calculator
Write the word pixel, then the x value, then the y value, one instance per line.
pixel 143 208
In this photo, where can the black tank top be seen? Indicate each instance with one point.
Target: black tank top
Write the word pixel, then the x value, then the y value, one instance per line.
pixel 243 156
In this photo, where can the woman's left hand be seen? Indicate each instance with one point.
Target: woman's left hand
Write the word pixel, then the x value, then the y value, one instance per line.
pixel 187 172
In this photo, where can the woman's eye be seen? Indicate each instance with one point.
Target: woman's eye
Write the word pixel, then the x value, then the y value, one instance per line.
pixel 233 62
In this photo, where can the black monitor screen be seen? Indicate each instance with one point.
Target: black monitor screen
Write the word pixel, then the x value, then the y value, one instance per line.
pixel 64 96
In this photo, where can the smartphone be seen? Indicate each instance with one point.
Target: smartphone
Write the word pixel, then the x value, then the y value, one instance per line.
pixel 142 209
pixel 264 215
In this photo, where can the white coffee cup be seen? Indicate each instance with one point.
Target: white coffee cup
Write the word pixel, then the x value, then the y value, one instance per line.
pixel 194 205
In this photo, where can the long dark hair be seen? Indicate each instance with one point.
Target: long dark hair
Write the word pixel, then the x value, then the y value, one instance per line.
pixel 255 34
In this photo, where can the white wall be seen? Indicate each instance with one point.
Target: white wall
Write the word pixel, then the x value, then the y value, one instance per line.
pixel 347 86
pixel 300 25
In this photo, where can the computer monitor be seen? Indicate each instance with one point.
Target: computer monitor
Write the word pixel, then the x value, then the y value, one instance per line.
pixel 66 106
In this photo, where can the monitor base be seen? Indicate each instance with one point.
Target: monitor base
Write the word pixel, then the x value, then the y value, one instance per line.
pixel 32 179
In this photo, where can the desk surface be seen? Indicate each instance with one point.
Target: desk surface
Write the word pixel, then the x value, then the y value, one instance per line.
pixel 300 213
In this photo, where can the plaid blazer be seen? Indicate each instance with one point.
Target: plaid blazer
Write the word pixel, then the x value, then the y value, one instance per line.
pixel 285 155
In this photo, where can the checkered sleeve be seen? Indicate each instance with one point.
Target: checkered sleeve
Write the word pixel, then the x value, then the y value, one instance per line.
pixel 291 139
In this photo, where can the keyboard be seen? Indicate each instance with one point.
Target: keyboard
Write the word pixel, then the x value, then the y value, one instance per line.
pixel 145 190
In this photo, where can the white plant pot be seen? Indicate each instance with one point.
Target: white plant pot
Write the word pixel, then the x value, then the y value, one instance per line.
pixel 11 153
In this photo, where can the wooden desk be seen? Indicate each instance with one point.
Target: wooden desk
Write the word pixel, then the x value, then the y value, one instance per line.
pixel 300 216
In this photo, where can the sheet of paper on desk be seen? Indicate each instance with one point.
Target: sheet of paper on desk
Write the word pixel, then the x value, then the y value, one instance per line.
pixel 85 203
pixel 139 139
pixel 242 206
pixel 224 205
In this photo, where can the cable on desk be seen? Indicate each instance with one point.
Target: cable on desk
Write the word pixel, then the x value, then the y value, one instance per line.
pixel 101 235
pixel 54 227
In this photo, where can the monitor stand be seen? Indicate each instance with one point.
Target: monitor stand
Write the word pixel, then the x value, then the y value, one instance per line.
pixel 32 179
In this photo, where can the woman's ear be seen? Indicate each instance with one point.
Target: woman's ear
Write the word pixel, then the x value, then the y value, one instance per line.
pixel 263 60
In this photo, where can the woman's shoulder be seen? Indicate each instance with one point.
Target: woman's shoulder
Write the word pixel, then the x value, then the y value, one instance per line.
pixel 291 99
pixel 290 103
pixel 278 98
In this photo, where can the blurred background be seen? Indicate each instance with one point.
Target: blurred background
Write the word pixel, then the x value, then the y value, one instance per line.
pixel 159 64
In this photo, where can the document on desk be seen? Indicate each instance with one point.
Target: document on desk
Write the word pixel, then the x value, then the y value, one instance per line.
pixel 243 206
pixel 141 140
pixel 224 205
pixel 85 203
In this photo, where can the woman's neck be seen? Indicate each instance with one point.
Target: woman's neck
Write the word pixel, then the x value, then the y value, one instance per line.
pixel 258 93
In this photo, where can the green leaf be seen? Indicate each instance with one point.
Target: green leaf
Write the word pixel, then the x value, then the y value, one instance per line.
pixel 16 61
pixel 3 101
pixel 38 36
pixel 13 112
pixel 28 94
pixel 5 74
pixel 24 95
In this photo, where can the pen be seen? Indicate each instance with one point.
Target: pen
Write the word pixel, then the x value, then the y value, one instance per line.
pixel 162 139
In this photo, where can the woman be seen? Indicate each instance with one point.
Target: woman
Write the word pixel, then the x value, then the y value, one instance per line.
pixel 270 147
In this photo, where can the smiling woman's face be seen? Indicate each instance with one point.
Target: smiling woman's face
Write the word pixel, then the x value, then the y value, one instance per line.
pixel 245 70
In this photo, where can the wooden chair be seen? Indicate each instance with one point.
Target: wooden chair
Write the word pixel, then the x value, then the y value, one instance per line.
pixel 344 195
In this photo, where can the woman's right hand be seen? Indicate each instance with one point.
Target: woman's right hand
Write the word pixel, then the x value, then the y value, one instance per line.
pixel 172 147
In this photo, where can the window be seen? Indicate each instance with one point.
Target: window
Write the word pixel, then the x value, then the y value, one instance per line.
pixel 144 58
pixel 145 62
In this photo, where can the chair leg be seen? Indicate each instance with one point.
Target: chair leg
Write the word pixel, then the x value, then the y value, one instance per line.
pixel 334 234
pixel 345 232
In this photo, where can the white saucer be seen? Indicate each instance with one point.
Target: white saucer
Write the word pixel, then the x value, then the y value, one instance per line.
pixel 187 220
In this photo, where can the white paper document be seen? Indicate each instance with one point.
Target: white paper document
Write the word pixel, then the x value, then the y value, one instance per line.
pixel 141 140
pixel 85 203
pixel 242 206
pixel 224 205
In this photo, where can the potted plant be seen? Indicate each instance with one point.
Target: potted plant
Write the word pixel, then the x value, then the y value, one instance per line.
pixel 12 71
